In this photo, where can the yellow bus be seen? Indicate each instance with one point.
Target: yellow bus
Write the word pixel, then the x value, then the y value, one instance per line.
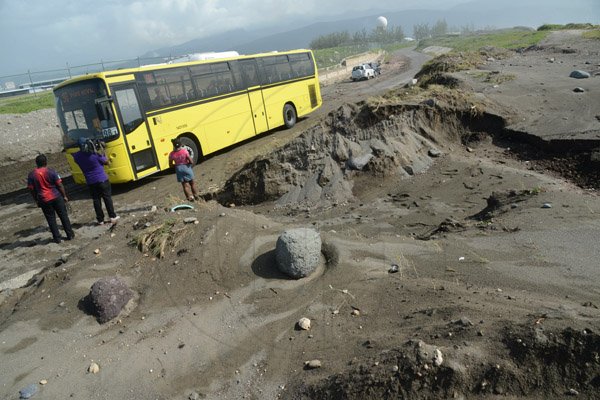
pixel 209 105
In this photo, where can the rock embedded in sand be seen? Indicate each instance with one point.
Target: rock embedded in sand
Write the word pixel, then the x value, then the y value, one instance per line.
pixel 93 368
pixel 434 153
pixel 107 298
pixel 312 364
pixel 28 391
pixel 579 74
pixel 298 252
pixel 304 323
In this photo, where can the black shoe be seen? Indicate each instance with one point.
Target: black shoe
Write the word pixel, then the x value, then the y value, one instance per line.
pixel 71 237
pixel 57 241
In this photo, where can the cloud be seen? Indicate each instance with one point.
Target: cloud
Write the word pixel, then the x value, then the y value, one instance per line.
pixel 42 34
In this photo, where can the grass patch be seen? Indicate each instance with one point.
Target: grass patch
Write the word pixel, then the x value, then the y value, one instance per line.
pixel 559 27
pixel 26 103
pixel 593 34
pixel 507 39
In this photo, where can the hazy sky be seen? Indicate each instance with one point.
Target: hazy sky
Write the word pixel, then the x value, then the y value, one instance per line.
pixel 42 35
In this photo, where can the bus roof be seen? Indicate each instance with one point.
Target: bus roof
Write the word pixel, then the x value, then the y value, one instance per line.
pixel 154 67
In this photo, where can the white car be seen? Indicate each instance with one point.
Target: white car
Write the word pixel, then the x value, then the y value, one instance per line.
pixel 362 71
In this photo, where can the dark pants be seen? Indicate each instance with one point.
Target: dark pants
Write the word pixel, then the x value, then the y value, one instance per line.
pixel 50 209
pixel 102 191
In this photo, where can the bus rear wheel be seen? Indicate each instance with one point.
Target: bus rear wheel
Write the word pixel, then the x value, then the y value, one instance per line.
pixel 191 147
pixel 289 115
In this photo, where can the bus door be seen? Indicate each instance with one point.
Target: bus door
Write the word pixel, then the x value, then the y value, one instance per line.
pixel 249 71
pixel 138 140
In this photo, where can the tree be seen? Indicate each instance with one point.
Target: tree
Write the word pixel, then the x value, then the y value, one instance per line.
pixel 440 28
pixel 421 31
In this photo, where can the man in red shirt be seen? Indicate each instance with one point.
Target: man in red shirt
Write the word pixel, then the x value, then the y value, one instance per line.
pixel 47 190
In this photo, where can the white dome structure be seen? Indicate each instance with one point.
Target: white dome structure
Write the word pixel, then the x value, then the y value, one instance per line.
pixel 382 22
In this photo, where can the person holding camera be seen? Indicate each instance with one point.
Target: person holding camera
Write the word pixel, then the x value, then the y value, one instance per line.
pixel 92 165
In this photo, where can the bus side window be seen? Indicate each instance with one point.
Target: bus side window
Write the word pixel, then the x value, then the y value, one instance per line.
pixel 249 72
pixel 129 108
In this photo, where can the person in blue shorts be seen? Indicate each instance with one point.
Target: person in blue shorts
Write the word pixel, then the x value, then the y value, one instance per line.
pixel 181 160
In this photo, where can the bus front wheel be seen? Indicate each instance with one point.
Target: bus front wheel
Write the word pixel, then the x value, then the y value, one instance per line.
pixel 191 147
pixel 289 115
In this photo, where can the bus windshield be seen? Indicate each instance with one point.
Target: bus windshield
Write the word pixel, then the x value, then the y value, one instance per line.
pixel 84 110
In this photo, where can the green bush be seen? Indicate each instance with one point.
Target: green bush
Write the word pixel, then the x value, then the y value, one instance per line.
pixel 593 34
pixel 507 39
pixel 558 27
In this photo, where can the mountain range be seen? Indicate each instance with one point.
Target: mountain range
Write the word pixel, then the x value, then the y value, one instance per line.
pixel 478 13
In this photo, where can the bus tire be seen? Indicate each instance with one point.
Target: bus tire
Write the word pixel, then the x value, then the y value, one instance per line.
pixel 289 115
pixel 191 147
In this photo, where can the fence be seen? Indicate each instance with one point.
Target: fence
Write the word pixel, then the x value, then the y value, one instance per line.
pixel 37 79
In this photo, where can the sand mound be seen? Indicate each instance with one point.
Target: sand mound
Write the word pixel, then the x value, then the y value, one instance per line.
pixel 319 165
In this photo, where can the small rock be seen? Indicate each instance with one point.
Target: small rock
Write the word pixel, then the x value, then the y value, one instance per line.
pixel 579 74
pixel 438 358
pixel 355 312
pixel 93 368
pixel 97 251
pixel 222 214
pixel 153 209
pixel 579 90
pixel 43 381
pixel 546 205
pixel 190 220
pixel 194 396
pixel 470 150
pixel 434 153
pixel 395 368
pixel 393 269
pixel 28 391
pixel 304 323
pixel 335 312
pixel 312 364
pixel 572 392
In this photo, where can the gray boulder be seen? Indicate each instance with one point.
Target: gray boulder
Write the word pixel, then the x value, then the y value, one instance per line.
pixel 107 298
pixel 579 74
pixel 358 162
pixel 298 252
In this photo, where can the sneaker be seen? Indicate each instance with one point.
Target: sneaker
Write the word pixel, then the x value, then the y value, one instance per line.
pixel 100 222
pixel 114 220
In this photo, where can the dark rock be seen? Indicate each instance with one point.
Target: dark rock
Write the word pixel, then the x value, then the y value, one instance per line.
pixel 579 74
pixel 579 90
pixel 107 298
